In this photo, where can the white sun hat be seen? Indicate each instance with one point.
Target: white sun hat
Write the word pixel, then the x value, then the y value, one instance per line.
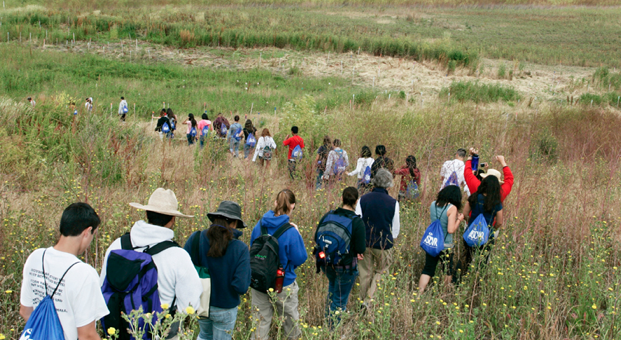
pixel 162 201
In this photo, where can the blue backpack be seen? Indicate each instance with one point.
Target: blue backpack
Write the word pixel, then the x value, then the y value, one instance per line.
pixel 193 132
pixel 165 128
pixel 44 323
pixel 433 238
pixel 236 134
pixel 251 141
pixel 333 238
pixel 366 177
pixel 131 284
pixel 412 192
pixel 125 109
pixel 223 130
pixel 339 165
pixel 452 180
pixel 297 152
pixel 477 234
pixel 205 131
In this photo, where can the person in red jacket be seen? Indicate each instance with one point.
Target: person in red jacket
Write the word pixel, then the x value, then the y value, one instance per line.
pixel 473 182
pixel 292 142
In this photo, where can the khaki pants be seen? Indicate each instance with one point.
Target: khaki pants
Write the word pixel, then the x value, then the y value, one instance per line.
pixel 286 303
pixel 375 263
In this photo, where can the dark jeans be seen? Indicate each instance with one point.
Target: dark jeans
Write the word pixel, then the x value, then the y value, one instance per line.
pixel 341 281
pixel 190 139
pixel 291 166
pixel 247 149
pixel 446 261
pixel 123 117
pixel 482 253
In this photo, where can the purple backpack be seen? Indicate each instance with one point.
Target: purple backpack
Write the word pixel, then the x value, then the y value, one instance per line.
pixel 131 283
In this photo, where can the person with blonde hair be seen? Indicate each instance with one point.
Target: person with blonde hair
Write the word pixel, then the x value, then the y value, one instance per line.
pixel 292 254
pixel 265 148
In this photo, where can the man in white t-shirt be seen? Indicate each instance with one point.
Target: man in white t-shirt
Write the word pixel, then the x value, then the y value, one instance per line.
pixel 177 278
pixel 78 300
pixel 122 108
pixel 456 165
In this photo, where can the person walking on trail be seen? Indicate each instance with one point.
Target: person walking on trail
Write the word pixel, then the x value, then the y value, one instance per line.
pixel 382 162
pixel 192 131
pixel 173 121
pixel 452 172
pixel 249 130
pixel 380 214
pixel 265 148
pixel 341 272
pixel 337 163
pixel 295 144
pixel 410 179
pixel 32 102
pixel 234 136
pixel 363 170
pixel 163 125
pixel 446 209
pixel 227 260
pixel 123 109
pixel 473 182
pixel 73 285
pixel 218 123
pixel 88 106
pixel 485 201
pixel 322 159
pixel 178 283
pixel 204 127
pixel 292 254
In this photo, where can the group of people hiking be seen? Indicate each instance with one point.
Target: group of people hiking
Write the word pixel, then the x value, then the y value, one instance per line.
pixel 146 269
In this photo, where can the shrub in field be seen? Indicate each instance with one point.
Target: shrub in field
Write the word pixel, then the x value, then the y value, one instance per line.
pixel 502 71
pixel 479 93
pixel 545 147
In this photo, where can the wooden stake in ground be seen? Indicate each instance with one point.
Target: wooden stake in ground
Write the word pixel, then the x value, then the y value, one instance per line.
pixel 251 107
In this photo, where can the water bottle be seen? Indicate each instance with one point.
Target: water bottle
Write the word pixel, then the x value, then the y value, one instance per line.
pixel 280 277
pixel 475 162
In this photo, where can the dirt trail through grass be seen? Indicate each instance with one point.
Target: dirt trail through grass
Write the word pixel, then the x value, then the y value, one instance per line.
pixel 416 79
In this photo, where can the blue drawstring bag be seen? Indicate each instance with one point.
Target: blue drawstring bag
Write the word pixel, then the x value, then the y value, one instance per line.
pixel 366 177
pixel 477 233
pixel 193 132
pixel 44 323
pixel 165 128
pixel 205 130
pixel 433 238
pixel 223 129
pixel 125 109
pixel 251 141
pixel 297 152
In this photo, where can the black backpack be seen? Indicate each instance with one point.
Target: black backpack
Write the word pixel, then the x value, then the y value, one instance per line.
pixel 265 260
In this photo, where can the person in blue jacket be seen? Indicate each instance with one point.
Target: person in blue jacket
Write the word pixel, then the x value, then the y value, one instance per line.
pixel 292 253
pixel 228 260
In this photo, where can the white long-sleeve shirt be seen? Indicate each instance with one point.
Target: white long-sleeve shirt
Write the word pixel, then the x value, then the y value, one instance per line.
pixel 362 165
pixel 396 224
pixel 176 275
pixel 261 144
pixel 122 104
pixel 333 157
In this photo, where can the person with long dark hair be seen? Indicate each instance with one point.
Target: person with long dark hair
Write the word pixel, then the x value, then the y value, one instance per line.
pixel 173 121
pixel 192 124
pixel 264 149
pixel 249 129
pixel 322 159
pixel 382 162
pixel 292 253
pixel 446 209
pixel 228 260
pixel 486 201
pixel 363 170
pixel 409 175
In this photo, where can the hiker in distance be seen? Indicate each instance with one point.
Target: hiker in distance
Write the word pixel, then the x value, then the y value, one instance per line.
pixel 123 109
pixel 204 127
pixel 295 144
pixel 250 137
pixel 56 281
pixel 235 135
pixel 163 125
pixel 473 182
pixel 380 213
pixel 227 261
pixel 32 102
pixel 337 163
pixel 265 148
pixel 322 159
pixel 178 284
pixel 277 277
pixel 382 161
pixel 452 172
pixel 363 170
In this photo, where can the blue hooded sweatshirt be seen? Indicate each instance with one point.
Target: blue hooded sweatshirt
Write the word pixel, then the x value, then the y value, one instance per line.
pixel 292 251
pixel 230 274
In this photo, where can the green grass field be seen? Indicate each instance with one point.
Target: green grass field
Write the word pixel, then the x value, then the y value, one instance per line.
pixel 554 272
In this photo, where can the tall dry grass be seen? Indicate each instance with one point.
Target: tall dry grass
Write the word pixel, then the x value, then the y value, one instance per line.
pixel 551 269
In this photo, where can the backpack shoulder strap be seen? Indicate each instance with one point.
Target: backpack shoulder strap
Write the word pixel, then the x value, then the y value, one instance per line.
pixel 126 242
pixel 61 280
pixel 263 229
pixel 282 230
pixel 195 254
pixel 160 247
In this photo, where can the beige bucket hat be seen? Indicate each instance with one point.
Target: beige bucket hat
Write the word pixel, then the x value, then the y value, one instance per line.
pixel 162 201
pixel 493 172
